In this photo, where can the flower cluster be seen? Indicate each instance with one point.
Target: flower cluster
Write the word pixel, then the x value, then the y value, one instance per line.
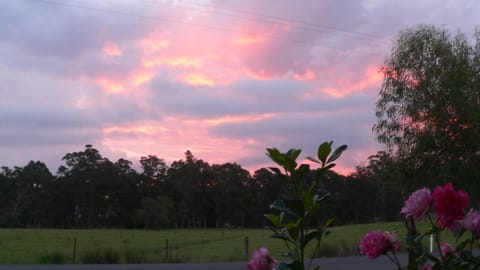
pixel 449 206
pixel 376 243
pixel 262 260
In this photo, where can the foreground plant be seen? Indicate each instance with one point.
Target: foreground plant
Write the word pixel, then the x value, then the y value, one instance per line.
pixel 448 206
pixel 292 217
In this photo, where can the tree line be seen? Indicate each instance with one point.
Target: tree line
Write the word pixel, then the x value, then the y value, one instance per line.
pixel 90 191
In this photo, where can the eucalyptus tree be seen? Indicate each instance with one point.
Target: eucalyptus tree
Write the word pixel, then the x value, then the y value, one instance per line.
pixel 428 113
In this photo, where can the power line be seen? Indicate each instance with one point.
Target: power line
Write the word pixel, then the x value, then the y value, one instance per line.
pixel 307 26
pixel 173 21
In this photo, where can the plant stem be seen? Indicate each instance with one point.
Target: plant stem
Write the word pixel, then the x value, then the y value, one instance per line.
pixel 437 238
pixel 397 261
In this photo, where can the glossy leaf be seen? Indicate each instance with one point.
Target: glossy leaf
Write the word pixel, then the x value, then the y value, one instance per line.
pixel 329 166
pixel 337 153
pixel 293 153
pixel 281 206
pixel 276 156
pixel 313 160
pixel 323 151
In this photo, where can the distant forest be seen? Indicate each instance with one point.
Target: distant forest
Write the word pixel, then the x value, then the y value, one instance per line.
pixel 90 191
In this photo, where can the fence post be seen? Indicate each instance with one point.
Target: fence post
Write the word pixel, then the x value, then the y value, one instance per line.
pixel 74 249
pixel 247 253
pixel 166 249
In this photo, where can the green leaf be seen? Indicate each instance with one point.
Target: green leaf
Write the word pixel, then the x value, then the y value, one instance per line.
pixel 313 159
pixel 319 198
pixel 276 156
pixel 274 219
pixel 337 153
pixel 293 228
pixel 315 234
pixel 329 166
pixel 324 150
pixel 293 153
pixel 290 164
pixel 282 234
pixel 281 206
pixel 328 223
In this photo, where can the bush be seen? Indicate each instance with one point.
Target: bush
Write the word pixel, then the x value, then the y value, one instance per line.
pixel 135 256
pixel 54 257
pixel 100 256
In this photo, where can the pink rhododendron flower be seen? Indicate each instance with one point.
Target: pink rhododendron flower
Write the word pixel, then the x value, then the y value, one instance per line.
pixel 393 243
pixel 471 221
pixel 374 244
pixel 417 204
pixel 262 260
pixel 449 206
pixel 445 248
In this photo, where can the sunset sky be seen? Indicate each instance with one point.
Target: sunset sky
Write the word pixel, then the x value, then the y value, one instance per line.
pixel 224 79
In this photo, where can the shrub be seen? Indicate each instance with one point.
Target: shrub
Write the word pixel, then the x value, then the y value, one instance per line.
pixel 54 257
pixel 100 256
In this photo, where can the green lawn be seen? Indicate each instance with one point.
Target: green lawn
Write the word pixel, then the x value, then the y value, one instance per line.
pixel 37 245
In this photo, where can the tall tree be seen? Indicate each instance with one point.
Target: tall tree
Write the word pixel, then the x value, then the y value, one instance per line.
pixel 429 108
pixel 31 197
pixel 89 176
pixel 186 182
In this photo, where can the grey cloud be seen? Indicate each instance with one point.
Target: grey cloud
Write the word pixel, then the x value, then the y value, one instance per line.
pixel 248 97
pixel 41 117
pixel 27 136
pixel 72 48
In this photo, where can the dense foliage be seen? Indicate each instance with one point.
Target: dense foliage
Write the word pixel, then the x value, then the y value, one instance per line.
pixel 429 108
pixel 90 191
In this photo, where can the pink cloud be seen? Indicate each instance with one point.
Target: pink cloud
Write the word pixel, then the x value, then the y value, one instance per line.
pixel 171 137
pixel 249 40
pixel 306 76
pixel 110 86
pixel 110 48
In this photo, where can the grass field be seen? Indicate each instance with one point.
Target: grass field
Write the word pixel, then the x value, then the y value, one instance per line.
pixel 148 246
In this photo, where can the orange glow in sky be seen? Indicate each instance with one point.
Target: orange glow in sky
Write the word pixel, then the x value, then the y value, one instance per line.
pixel 110 86
pixel 239 119
pixel 198 79
pixel 185 61
pixel 333 92
pixel 142 78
